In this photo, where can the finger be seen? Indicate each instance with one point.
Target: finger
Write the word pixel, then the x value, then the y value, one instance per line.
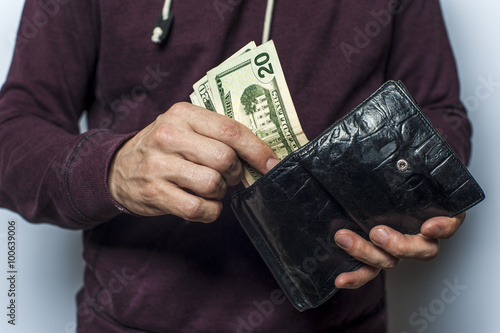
pixel 245 143
pixel 356 279
pixel 404 246
pixel 442 227
pixel 218 156
pixel 169 199
pixel 155 195
pixel 201 150
pixel 199 179
pixel 193 208
pixel 364 250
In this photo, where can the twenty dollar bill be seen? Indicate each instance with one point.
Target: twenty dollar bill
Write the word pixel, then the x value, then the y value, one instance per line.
pixel 202 96
pixel 250 87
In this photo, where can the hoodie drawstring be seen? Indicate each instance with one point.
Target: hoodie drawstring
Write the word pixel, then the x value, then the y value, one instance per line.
pixel 266 31
pixel 164 22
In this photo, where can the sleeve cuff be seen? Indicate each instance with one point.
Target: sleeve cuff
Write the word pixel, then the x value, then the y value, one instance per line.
pixel 86 177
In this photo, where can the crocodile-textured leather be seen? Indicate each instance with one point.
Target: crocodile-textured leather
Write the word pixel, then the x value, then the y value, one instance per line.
pixel 383 163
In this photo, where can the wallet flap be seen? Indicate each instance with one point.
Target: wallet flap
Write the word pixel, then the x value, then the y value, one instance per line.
pixel 385 160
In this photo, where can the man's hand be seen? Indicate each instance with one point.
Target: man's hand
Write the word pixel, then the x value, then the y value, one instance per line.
pixel 182 163
pixel 388 247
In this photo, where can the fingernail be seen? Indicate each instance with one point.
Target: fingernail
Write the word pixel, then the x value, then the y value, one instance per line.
pixel 344 242
pixel 271 163
pixel 380 236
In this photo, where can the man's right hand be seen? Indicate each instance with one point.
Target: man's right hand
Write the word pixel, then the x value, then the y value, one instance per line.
pixel 182 163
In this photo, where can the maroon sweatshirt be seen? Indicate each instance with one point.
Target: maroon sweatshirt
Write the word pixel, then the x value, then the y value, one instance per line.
pixel 163 274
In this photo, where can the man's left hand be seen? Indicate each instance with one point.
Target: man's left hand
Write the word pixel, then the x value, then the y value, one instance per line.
pixel 388 247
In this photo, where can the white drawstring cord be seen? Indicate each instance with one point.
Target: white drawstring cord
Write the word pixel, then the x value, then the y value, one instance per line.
pixel 166 9
pixel 158 32
pixel 267 21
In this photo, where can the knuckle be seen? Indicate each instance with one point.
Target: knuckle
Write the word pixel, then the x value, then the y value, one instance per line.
pixel 430 254
pixel 193 209
pixel 399 250
pixel 215 214
pixel 363 276
pixel 230 131
pixel 160 119
pixel 213 183
pixel 227 159
pixel 390 264
pixel 165 136
pixel 150 192
pixel 179 108
pixel 171 116
pixel 369 275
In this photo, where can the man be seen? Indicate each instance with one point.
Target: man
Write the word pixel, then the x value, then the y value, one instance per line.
pixel 140 172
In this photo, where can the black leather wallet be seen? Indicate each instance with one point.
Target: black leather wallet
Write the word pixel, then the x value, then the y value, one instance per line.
pixel 382 163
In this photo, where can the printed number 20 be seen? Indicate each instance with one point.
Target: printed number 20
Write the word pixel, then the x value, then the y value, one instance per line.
pixel 261 60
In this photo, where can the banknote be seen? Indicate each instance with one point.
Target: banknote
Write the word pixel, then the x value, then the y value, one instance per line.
pixel 194 99
pixel 251 89
pixel 201 88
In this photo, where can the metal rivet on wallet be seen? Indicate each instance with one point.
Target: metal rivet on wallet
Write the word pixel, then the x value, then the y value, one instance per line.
pixel 403 165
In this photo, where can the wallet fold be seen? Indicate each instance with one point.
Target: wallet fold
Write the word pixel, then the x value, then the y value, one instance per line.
pixel 382 163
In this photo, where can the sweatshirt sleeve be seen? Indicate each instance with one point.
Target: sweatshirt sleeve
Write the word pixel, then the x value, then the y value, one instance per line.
pixel 49 172
pixel 421 57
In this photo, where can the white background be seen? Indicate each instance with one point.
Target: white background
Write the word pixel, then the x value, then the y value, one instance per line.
pixel 49 259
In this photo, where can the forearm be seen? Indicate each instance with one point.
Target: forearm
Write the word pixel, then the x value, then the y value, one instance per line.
pixel 48 171
pixel 50 175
